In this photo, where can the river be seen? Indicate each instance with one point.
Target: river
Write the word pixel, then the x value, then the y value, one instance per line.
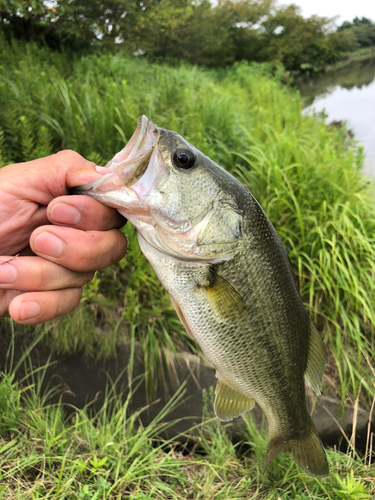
pixel 348 94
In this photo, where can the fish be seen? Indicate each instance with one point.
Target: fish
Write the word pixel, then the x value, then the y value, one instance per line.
pixel 230 280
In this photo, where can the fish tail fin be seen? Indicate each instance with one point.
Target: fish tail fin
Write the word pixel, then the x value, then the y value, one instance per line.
pixel 306 448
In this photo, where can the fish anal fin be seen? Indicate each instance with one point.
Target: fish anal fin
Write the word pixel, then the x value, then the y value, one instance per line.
pixel 181 316
pixel 224 299
pixel 230 403
pixel 306 449
pixel 317 359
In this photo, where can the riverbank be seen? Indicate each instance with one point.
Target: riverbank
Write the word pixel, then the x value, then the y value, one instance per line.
pixel 347 95
pixel 306 175
pixel 359 55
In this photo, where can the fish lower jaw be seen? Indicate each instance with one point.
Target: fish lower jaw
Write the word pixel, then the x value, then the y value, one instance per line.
pixel 150 243
pixel 118 198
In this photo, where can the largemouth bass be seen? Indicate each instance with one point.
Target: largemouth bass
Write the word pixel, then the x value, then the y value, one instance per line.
pixel 229 279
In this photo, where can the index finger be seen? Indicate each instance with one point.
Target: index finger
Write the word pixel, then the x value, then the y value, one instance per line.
pixel 82 212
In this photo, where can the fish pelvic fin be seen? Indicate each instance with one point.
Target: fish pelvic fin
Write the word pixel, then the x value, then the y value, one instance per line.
pixel 230 403
pixel 306 448
pixel 317 359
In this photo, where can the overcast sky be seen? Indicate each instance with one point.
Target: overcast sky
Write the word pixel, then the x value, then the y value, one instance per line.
pixel 346 9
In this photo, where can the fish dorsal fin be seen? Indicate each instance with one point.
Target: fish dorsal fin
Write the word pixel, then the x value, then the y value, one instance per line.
pixel 230 403
pixel 223 297
pixel 317 359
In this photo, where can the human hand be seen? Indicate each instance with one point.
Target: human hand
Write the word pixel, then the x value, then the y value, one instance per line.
pixel 55 261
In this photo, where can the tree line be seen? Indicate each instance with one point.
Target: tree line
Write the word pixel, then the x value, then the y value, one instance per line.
pixel 360 33
pixel 198 31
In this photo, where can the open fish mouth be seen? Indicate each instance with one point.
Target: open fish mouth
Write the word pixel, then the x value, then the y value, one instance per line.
pixel 128 165
pixel 132 161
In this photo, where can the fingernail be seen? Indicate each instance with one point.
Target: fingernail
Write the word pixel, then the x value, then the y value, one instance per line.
pixel 103 170
pixel 63 213
pixel 29 310
pixel 8 274
pixel 48 244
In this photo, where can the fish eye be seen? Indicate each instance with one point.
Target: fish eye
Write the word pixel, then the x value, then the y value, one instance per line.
pixel 184 158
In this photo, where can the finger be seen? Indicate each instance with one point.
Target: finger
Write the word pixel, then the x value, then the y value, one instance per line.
pixel 6 297
pixel 83 212
pixel 77 250
pixel 16 227
pixel 51 177
pixel 36 273
pixel 37 307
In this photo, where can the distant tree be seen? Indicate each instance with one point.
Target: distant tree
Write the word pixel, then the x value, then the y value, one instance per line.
pixel 301 45
pixel 362 21
pixel 36 20
pixel 197 31
pixel 243 19
pixel 360 32
pixel 180 29
pixel 96 22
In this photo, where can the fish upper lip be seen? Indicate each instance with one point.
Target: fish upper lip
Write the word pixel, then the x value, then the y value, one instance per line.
pixel 129 164
pixel 141 142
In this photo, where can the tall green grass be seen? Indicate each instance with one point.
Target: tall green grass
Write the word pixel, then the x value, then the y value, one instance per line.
pixel 109 454
pixel 305 173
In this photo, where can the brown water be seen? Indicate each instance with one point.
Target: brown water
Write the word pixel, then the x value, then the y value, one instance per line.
pixel 348 94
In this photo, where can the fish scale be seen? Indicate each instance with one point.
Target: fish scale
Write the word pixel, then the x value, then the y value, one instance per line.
pixel 215 337
pixel 230 280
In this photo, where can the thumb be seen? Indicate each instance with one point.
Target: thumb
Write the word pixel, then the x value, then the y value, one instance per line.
pixel 70 170
pixel 44 179
pixel 77 169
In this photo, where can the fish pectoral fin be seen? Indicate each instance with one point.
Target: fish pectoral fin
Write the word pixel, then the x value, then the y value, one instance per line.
pixel 224 299
pixel 317 359
pixel 230 403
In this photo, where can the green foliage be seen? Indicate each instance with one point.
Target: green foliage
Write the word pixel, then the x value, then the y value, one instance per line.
pixel 9 408
pixel 351 489
pixel 76 24
pixel 169 27
pixel 3 159
pixel 302 45
pixel 81 455
pixel 198 31
pixel 360 32
pixel 110 454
